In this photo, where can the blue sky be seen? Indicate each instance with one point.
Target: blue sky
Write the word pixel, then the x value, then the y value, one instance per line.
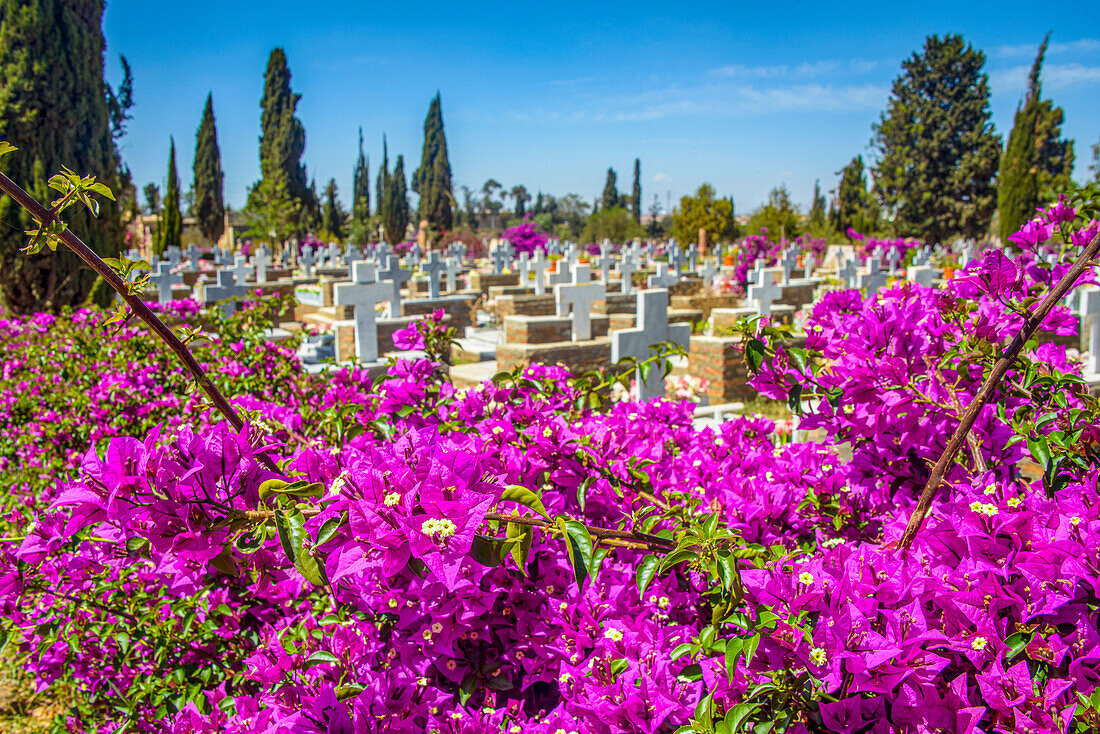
pixel 745 96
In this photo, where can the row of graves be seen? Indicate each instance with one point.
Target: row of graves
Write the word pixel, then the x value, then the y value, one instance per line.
pixel 562 306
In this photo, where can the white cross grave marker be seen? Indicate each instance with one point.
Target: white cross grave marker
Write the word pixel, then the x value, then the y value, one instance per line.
pixel 362 294
pixel 653 328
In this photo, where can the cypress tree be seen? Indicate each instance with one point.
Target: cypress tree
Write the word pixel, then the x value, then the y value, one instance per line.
pixel 937 151
pixel 382 185
pixel 209 179
pixel 636 191
pixel 395 214
pixel 360 193
pixel 817 208
pixel 56 108
pixel 1035 158
pixel 170 224
pixel 610 197
pixel 432 180
pixel 283 138
pixel 852 199
pixel 332 214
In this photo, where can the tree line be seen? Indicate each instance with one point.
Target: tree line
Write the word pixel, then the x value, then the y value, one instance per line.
pixel 937 169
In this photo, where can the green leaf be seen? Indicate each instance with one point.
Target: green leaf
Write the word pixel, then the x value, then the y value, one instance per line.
pixel 487 551
pixel 1040 449
pixel 523 496
pixel 794 399
pixel 739 714
pixel 675 558
pixel 100 189
pixel 319 658
pixel 524 534
pixel 647 569
pixel 754 353
pixel 578 542
pixel 734 648
pixel 6 147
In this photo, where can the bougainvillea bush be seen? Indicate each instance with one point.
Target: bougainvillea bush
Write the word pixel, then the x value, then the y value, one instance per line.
pixel 403 556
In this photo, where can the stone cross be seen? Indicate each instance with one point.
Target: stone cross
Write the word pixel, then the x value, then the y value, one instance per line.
pixel 352 254
pixel 194 255
pixel 692 253
pixel 540 281
pixel 362 294
pixel 892 259
pixel 412 259
pixel 605 261
pixel 758 267
pixel 848 272
pixel 523 267
pixel 396 277
pixel 708 271
pixel 663 278
pixel 174 256
pixel 241 269
pixel 922 274
pixel 1090 307
pixel 766 291
pixel 225 289
pixel 164 279
pixel 675 260
pixel 809 263
pixel 260 262
pixel 627 267
pixel 578 297
pixel 452 269
pixel 433 267
pixel 333 254
pixel 873 279
pixel 499 257
pixel 920 257
pixel 653 328
pixel 307 260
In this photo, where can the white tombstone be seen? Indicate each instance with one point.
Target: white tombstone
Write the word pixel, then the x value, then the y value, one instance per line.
pixel 164 279
pixel 241 270
pixel 362 294
pixel 922 274
pixel 451 269
pixel 307 259
pixel 395 276
pixel 260 262
pixel 226 289
pixel 873 279
pixel 174 256
pixel 627 267
pixel 194 255
pixel 664 278
pixel 766 292
pixel 848 272
pixel 653 328
pixel 578 297
pixel 433 267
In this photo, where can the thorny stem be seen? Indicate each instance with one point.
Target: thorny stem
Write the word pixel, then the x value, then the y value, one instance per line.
pixel 85 253
pixel 1031 324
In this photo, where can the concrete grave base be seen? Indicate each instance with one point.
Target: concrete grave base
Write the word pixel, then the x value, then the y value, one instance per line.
pixel 577 357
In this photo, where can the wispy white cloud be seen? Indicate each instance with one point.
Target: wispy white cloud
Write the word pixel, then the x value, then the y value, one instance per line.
pixel 1025 50
pixel 659 177
pixel 825 67
pixel 1054 77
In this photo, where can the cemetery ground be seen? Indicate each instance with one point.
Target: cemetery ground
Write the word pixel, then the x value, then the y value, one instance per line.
pixel 443 493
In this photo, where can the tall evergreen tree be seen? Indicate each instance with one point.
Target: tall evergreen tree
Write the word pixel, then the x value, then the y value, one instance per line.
pixel 283 138
pixel 1035 158
pixel 937 151
pixel 332 214
pixel 152 198
pixel 817 207
pixel 853 201
pixel 360 193
pixel 610 196
pixel 382 185
pixel 396 213
pixel 170 224
pixel 432 180
pixel 209 180
pixel 636 191
pixel 56 107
